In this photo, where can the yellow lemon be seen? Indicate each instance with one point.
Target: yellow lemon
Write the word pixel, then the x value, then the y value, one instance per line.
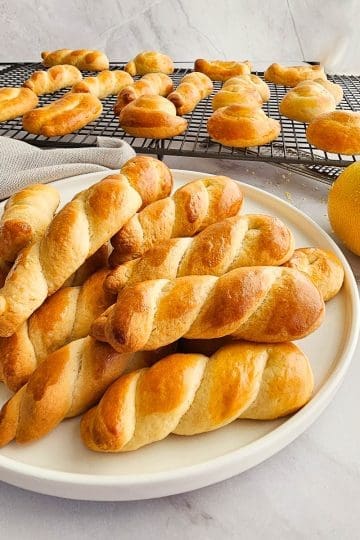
pixel 344 207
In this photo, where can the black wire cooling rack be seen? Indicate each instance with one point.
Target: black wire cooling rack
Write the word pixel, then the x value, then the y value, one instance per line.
pixel 291 147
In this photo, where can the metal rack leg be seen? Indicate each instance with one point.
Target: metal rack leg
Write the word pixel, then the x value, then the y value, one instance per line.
pixel 161 144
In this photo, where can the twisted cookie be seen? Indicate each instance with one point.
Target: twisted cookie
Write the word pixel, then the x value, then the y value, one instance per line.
pixel 306 101
pixel 250 81
pixel 65 115
pixel 65 384
pixel 259 303
pixel 150 62
pixel 335 89
pixel 221 70
pixel 152 117
pixel 237 94
pixel 26 217
pixel 192 88
pixel 106 83
pixel 149 85
pixel 16 102
pixel 151 177
pixel 250 240
pixel 81 58
pixel 336 131
pixel 239 126
pixel 95 262
pixel 64 317
pixel 191 393
pixel 190 210
pixel 55 78
pixel 293 75
pixel 77 231
pixel 323 268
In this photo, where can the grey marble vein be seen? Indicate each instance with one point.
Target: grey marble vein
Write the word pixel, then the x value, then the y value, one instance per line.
pixel 280 30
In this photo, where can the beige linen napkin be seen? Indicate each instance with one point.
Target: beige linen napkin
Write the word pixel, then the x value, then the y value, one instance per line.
pixel 22 164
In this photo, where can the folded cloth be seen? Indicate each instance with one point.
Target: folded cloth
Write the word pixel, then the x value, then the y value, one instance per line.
pixel 22 164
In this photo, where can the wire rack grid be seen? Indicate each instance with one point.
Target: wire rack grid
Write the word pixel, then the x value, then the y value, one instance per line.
pixel 291 147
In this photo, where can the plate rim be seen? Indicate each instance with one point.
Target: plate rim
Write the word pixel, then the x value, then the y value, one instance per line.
pixel 150 485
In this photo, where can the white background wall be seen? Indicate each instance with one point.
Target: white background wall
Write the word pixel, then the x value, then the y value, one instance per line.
pixel 261 30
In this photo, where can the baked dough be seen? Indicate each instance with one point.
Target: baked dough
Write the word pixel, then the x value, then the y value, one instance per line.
pixel 250 81
pixel 65 115
pixel 241 127
pixel 292 75
pixel 191 209
pixel 306 101
pixel 323 268
pixel 66 383
pixel 26 216
pixel 237 94
pixel 16 102
pixel 64 317
pixel 337 132
pixel 255 303
pixel 149 85
pixel 152 117
pixel 107 83
pixel 335 89
pixel 192 88
pixel 83 59
pixel 78 230
pixel 189 394
pixel 57 77
pixel 150 62
pixel 220 70
pixel 249 240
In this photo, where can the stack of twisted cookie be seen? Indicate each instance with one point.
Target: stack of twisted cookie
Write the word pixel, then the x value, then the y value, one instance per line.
pixel 82 104
pixel 141 105
pixel 312 98
pixel 238 119
pixel 75 109
pixel 184 329
pixel 150 107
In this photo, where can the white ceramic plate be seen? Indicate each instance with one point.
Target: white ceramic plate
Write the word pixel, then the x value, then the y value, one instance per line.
pixel 60 465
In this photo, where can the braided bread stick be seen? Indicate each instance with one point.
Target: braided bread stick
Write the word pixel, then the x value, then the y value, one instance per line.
pixel 188 394
pixel 63 116
pixel 190 210
pixel 16 102
pixel 107 83
pixel 65 384
pixel 58 77
pixel 26 217
pixel 76 232
pixel 192 88
pixel 81 58
pixel 64 317
pixel 149 85
pixel 95 262
pixel 152 178
pixel 323 268
pixel 258 303
pixel 250 240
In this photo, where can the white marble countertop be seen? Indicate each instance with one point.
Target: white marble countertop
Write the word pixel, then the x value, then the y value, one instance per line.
pixel 311 489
